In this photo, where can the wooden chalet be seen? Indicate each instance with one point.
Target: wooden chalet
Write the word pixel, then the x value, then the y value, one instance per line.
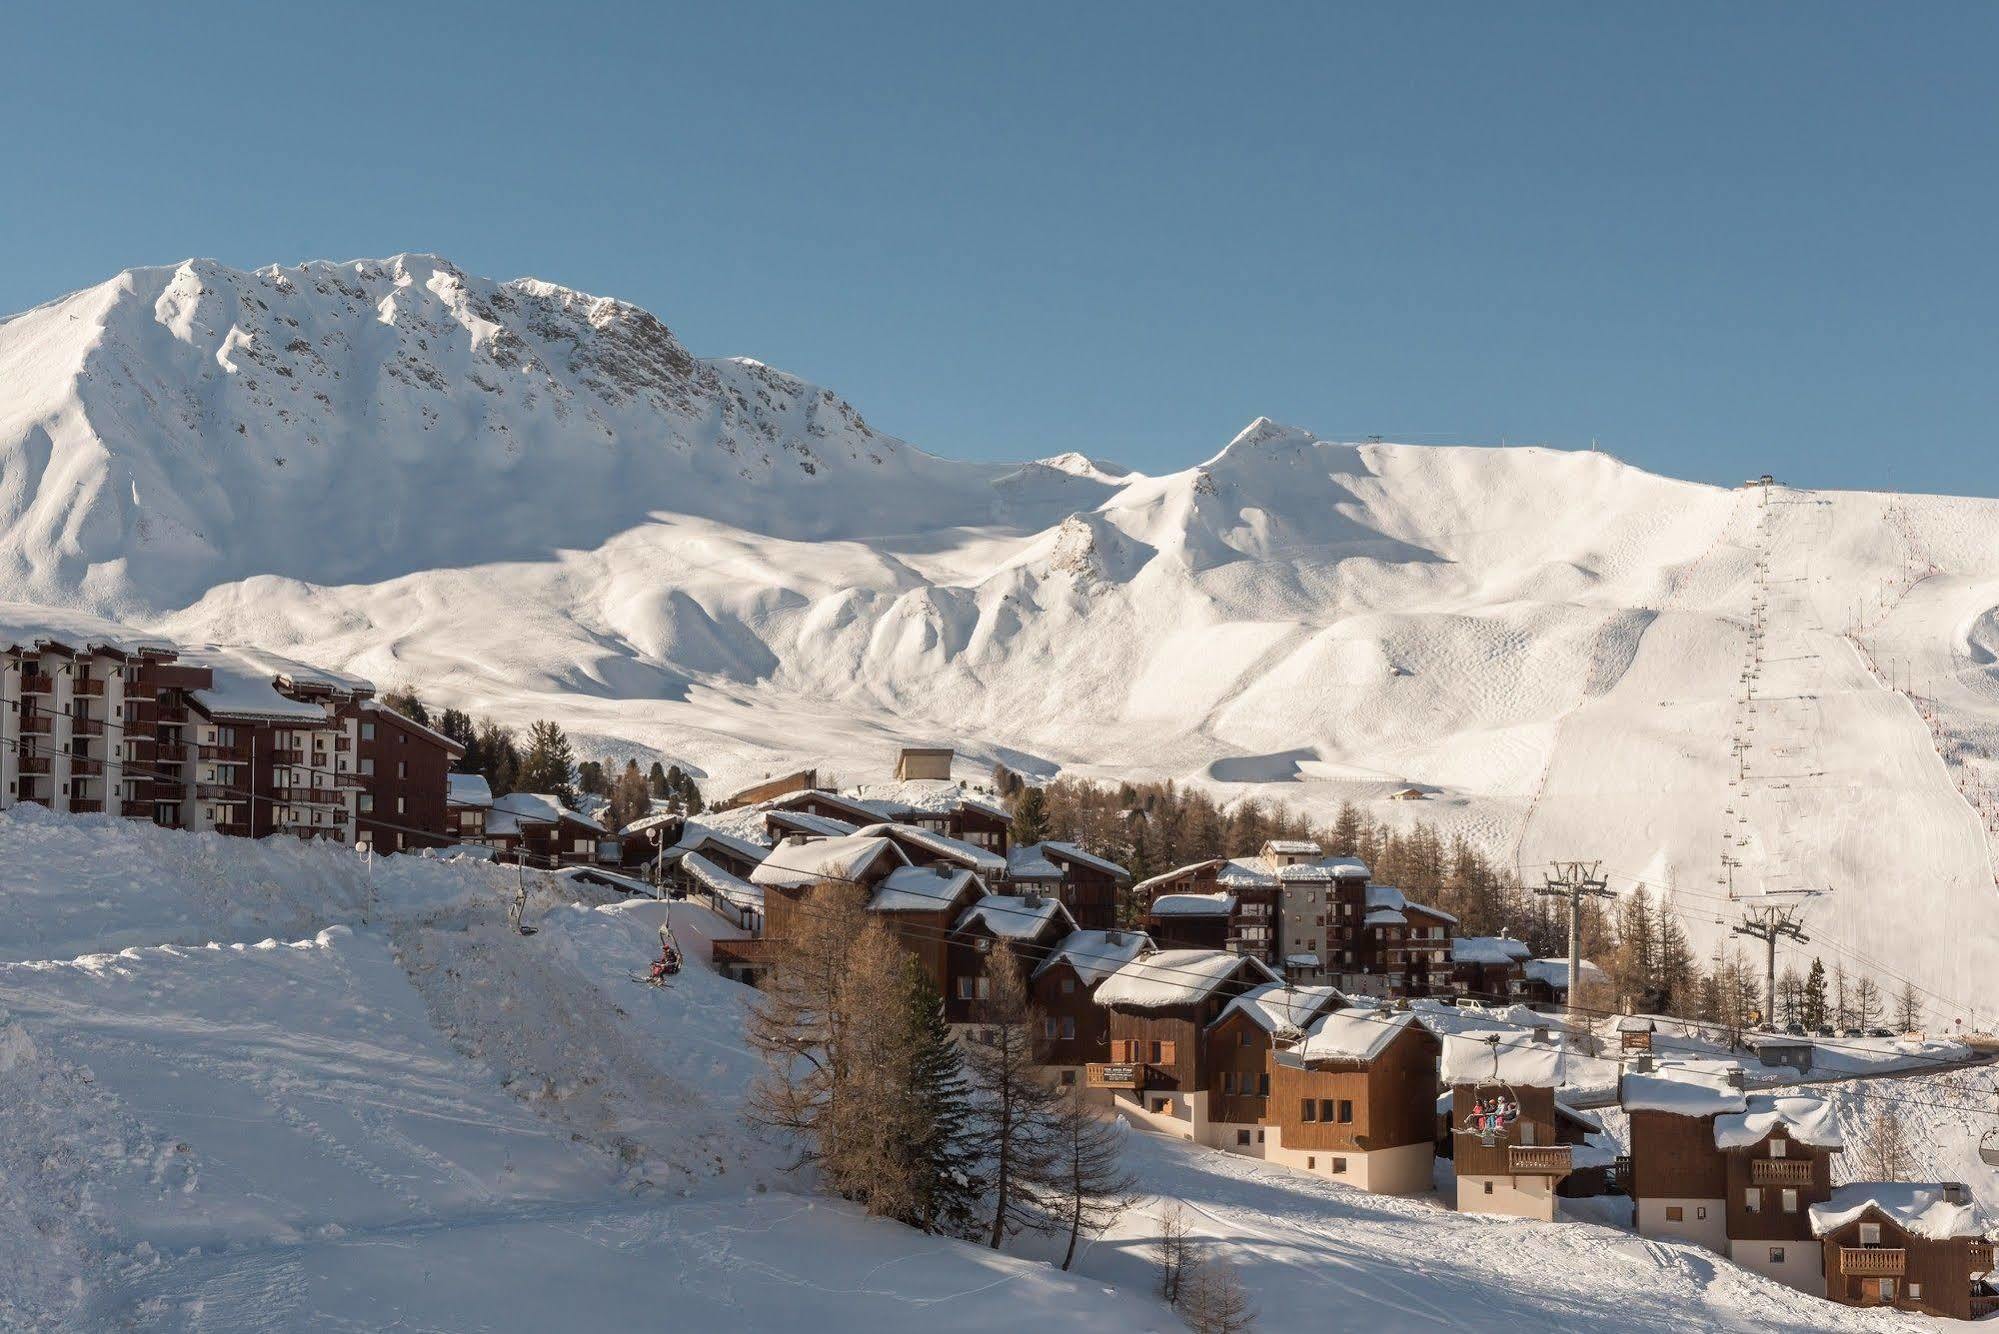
pixel 1353 1100
pixel 1240 1042
pixel 1915 1247
pixel 1545 983
pixel 1507 1164
pixel 1075 1030
pixel 931 847
pixel 1160 1006
pixel 1778 1153
pixel 1031 924
pixel 1191 921
pixel 1488 968
pixel 1678 1178
pixel 1086 883
pixel 1253 921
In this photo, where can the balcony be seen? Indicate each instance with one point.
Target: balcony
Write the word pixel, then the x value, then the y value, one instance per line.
pixel 341 742
pixel 89 687
pixel 233 830
pixel 217 792
pixel 169 753
pixel 307 796
pixel 224 754
pixel 169 713
pixel 1981 1257
pixel 1873 1261
pixel 35 764
pixel 349 780
pixel 37 683
pixel 1114 1075
pixel 1555 1160
pixel 1780 1172
pixel 1983 1304
pixel 287 757
pixel 86 727
pixel 86 805
pixel 38 724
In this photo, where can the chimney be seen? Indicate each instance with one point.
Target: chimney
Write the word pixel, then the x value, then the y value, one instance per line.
pixel 1954 1193
pixel 1032 898
pixel 1641 1064
pixel 1114 937
pixel 1738 1079
pixel 1541 1033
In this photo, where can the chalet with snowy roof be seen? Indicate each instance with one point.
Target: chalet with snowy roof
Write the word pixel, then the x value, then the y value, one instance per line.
pixel 927 847
pixel 1075 1030
pixel 1188 921
pixel 1507 1148
pixel 1778 1153
pixel 737 856
pixel 1160 1006
pixel 1239 1045
pixel 831 805
pixel 1086 883
pixel 780 824
pixel 1545 982
pixel 1488 968
pixel 538 828
pixel 1352 1099
pixel 1032 924
pixel 1914 1246
pixel 804 780
pixel 1252 925
pixel 467 798
pixel 1678 1178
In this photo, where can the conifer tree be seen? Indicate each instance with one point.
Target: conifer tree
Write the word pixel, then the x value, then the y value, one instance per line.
pixel 547 764
pixel 656 781
pixel 1030 816
pixel 1812 1009
pixel 404 701
pixel 944 1125
pixel 629 799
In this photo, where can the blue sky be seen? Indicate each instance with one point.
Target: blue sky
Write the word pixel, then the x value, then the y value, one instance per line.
pixel 1720 239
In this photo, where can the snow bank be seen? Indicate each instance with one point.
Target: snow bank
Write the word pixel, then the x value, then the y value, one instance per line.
pixel 1178 977
pixel 1919 1208
pixel 1805 1119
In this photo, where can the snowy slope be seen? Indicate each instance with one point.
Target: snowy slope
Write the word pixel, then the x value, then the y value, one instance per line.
pixel 566 514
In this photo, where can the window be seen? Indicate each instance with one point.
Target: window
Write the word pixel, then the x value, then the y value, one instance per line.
pixel 1263 1085
pixel 1068 1029
pixel 1163 1053
pixel 364 802
pixel 1242 1137
pixel 1311 1110
pixel 1777 1148
pixel 1242 1038
pixel 1488 1190
pixel 1068 1078
pixel 1674 1213
pixel 1346 1110
pixel 367 731
pixel 1752 1200
pixel 1311 1162
pixel 964 984
pixel 402 804
pixel 1047 1028
pixel 1162 1105
pixel 1068 986
pixel 367 766
pixel 1700 1211
pixel 1259 1135
pixel 1870 1234
pixel 1915 1292
pixel 1776 1255
pixel 1339 1166
pixel 1790 1201
pixel 1887 1289
pixel 402 768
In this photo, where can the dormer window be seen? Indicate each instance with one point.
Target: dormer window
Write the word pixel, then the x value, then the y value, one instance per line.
pixel 1777 1149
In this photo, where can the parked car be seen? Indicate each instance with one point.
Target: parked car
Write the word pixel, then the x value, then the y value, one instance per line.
pixel 1853 1033
pixel 1794 1030
pixel 1825 1033
pixel 1880 1033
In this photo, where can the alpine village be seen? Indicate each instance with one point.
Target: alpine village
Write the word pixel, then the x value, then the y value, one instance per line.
pixel 969 990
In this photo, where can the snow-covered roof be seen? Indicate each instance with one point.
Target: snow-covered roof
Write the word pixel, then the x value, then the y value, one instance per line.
pixel 1384 917
pixel 449 743
pixel 1015 916
pixel 1177 873
pixel 1026 862
pixel 1177 977
pixel 1075 854
pixel 26 625
pixel 1326 868
pixel 1278 1007
pixel 1243 873
pixel 1806 1119
pixel 1095 955
pixel 983 861
pixel 1489 950
pixel 1354 1034
pixel 1301 961
pixel 1194 905
pixel 718 881
pixel 1684 1088
pixel 860 812
pixel 1555 972
pixel 924 888
pixel 921 796
pixel 535 808
pixel 649 820
pixel 805 822
pixel 468 790
pixel 695 837
pixel 795 863
pixel 1293 847
pixel 1918 1208
pixel 1385 896
pixel 244 684
pixel 1523 1060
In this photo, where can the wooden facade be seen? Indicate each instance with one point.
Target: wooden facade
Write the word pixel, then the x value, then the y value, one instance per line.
pixel 1771 1187
pixel 1238 1074
pixel 1905 1271
pixel 1384 1103
pixel 1674 1157
pixel 1537 1128
pixel 1073 1030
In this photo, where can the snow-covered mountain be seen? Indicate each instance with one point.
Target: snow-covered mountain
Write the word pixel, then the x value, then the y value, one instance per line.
pixel 533 502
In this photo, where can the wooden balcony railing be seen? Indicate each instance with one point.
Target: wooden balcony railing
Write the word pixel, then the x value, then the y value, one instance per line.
pixel 169 713
pixel 89 687
pixel 349 780
pixel 1114 1075
pixel 169 753
pixel 38 724
pixel 307 796
pixel 86 806
pixel 218 792
pixel 1780 1172
pixel 1983 1304
pixel 1540 1159
pixel 37 683
pixel 287 757
pixel 233 830
pixel 1873 1261
pixel 1981 1257
pixel 225 754
pixel 34 764
pixel 342 742
pixel 86 727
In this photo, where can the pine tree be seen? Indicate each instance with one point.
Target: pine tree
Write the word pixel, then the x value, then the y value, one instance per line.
pixel 547 765
pixel 867 1151
pixel 590 778
pixel 1790 997
pixel 1030 817
pixel 404 701
pixel 500 759
pixel 944 1124
pixel 629 799
pixel 1678 976
pixel 1019 1104
pixel 1091 1186
pixel 1812 1008
pixel 656 781
pixel 1885 1154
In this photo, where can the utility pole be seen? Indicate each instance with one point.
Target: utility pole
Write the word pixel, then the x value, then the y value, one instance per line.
pixel 1767 924
pixel 1573 881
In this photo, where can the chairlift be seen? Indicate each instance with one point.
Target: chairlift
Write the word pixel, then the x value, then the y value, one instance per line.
pixel 1495 1106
